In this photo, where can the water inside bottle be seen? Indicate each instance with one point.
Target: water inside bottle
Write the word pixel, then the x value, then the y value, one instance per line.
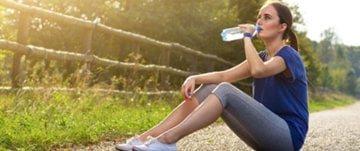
pixel 231 34
pixel 235 33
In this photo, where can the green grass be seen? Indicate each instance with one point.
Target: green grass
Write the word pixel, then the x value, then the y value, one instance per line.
pixel 324 101
pixel 57 119
pixel 50 120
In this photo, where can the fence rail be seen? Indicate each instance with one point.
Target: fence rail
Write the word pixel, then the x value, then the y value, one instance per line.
pixel 33 51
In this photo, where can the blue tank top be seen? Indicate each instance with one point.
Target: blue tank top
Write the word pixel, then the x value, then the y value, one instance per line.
pixel 286 96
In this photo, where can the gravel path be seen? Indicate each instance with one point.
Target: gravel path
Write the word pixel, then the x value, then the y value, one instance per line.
pixel 331 130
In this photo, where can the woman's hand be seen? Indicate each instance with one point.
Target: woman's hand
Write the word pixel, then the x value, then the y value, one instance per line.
pixel 250 28
pixel 187 88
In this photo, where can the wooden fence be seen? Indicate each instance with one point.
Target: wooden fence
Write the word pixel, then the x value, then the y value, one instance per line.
pixel 21 47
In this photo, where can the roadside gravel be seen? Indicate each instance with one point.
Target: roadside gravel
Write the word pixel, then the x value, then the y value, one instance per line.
pixel 330 130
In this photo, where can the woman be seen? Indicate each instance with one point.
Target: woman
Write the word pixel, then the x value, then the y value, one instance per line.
pixel 275 119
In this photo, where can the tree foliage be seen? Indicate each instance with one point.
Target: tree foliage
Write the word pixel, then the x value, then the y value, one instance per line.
pixel 341 67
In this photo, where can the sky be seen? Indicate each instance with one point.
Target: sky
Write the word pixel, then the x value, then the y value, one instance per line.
pixel 341 15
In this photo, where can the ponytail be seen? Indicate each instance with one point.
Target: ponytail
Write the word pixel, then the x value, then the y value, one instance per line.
pixel 293 40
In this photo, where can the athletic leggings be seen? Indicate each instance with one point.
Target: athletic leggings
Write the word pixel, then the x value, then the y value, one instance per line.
pixel 255 124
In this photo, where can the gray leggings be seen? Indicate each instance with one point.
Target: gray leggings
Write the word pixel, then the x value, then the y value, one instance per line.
pixel 256 125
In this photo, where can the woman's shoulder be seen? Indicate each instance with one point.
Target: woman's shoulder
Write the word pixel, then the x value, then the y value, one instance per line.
pixel 288 51
pixel 288 48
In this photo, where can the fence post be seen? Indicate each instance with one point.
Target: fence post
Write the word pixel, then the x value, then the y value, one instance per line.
pixel 210 66
pixel 87 41
pixel 22 36
pixel 194 64
pixel 84 72
pixel 165 60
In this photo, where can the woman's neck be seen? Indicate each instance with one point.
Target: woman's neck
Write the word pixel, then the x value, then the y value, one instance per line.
pixel 273 47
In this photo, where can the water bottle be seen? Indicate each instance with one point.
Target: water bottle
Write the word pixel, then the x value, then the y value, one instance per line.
pixel 235 33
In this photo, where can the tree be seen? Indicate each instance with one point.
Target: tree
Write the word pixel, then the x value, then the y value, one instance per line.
pixel 339 73
pixel 326 45
pixel 350 83
pixel 312 64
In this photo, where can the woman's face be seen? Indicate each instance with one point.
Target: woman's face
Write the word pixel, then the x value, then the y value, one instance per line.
pixel 269 21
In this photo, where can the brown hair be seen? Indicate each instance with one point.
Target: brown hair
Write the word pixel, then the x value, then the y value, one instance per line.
pixel 286 17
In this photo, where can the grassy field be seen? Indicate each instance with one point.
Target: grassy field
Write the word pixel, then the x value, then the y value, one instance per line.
pixel 324 101
pixel 47 120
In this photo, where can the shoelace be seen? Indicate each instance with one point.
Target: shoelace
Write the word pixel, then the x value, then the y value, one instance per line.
pixel 150 141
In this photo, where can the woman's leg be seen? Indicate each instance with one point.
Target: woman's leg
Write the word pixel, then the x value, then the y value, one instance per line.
pixel 175 117
pixel 205 114
pixel 251 121
pixel 179 113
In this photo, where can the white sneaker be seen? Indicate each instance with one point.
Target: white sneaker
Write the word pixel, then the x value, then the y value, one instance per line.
pixel 129 145
pixel 154 145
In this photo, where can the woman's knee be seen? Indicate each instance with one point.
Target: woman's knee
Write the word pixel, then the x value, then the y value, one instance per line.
pixel 227 92
pixel 225 87
pixel 225 84
pixel 203 91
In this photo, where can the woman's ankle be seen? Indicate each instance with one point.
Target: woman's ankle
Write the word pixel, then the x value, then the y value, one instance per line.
pixel 166 139
pixel 143 138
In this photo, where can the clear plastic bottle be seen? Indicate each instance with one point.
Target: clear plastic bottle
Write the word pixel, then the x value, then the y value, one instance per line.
pixel 235 33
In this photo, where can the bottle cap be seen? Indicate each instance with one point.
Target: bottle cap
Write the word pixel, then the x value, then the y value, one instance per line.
pixel 257 28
